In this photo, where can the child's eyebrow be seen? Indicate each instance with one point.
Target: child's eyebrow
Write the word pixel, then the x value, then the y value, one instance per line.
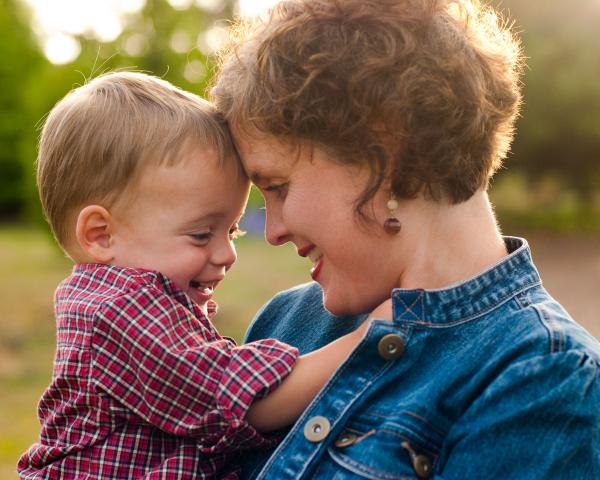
pixel 203 219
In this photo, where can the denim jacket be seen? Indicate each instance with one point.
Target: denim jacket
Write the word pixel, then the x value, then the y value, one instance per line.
pixel 489 378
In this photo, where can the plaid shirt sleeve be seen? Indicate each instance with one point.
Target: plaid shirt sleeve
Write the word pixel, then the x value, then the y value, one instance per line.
pixel 172 369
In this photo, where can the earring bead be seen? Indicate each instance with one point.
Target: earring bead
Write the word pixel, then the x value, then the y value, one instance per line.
pixel 392 204
pixel 392 226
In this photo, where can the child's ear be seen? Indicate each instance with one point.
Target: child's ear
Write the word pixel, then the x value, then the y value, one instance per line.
pixel 93 233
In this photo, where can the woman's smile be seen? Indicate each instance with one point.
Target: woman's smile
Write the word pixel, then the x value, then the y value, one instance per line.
pixel 316 257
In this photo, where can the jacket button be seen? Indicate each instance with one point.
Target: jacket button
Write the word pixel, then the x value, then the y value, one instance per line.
pixel 391 346
pixel 422 466
pixel 317 429
pixel 345 440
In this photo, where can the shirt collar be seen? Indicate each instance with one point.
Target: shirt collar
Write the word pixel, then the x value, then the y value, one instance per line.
pixel 129 277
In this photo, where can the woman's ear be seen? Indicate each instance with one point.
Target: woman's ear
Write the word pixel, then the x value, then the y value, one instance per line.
pixel 93 233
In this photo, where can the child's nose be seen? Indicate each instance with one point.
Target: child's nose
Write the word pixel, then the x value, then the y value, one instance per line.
pixel 225 255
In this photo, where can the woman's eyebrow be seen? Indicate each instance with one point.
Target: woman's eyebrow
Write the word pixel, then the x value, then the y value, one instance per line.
pixel 257 178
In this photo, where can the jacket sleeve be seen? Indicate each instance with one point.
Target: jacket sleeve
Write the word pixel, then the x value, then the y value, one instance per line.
pixel 174 371
pixel 539 419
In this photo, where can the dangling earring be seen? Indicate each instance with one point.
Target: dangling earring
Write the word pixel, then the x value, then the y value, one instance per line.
pixel 392 225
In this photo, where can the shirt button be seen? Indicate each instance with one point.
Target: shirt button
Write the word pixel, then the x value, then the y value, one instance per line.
pixel 316 429
pixel 345 440
pixel 391 346
pixel 422 466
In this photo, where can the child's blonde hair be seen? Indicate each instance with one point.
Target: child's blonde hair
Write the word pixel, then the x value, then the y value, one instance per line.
pixel 99 136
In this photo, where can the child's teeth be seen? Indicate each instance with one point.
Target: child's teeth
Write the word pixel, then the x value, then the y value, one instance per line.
pixel 206 289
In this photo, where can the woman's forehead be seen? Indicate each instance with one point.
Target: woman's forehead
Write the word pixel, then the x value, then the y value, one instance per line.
pixel 264 153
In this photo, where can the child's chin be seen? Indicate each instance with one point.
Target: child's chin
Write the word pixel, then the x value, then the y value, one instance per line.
pixel 202 305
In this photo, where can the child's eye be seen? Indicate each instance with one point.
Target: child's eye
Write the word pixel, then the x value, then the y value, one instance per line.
pixel 236 232
pixel 201 237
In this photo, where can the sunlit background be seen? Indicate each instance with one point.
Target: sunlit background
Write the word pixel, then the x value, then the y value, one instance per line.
pixel 548 192
pixel 59 23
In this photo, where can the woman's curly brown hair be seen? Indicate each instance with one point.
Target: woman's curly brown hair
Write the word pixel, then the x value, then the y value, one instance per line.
pixel 425 92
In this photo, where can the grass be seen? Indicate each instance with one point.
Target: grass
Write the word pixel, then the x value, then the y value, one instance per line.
pixel 30 269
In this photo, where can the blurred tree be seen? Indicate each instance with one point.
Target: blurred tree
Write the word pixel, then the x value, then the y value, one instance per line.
pixel 559 132
pixel 21 60
pixel 162 40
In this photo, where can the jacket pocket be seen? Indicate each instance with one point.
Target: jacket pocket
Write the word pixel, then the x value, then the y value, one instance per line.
pixel 379 446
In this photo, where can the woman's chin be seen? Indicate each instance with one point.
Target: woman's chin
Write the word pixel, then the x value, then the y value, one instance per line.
pixel 342 308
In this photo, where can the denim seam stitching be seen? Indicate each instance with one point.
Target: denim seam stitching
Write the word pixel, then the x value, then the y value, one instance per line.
pixel 418 441
pixel 554 335
pixel 319 468
pixel 519 302
pixel 482 313
pixel 414 415
pixel 408 308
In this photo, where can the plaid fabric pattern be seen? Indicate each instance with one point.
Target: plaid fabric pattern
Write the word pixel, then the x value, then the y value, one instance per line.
pixel 144 386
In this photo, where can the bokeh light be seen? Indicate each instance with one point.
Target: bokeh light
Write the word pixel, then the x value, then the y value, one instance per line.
pixel 252 8
pixel 57 23
pixel 61 48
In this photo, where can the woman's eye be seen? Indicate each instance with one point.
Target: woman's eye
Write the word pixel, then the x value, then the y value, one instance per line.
pixel 278 189
pixel 235 232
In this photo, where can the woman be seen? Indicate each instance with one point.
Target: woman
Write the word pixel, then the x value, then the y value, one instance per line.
pixel 372 128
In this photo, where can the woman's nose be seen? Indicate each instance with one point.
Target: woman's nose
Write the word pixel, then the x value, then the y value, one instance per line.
pixel 276 232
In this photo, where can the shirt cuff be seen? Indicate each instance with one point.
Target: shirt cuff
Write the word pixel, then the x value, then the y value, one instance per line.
pixel 255 369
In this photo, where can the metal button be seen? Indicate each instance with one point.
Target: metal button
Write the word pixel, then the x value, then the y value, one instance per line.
pixel 391 346
pixel 422 466
pixel 316 429
pixel 345 440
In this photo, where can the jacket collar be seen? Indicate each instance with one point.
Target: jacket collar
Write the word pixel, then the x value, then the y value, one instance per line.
pixel 471 298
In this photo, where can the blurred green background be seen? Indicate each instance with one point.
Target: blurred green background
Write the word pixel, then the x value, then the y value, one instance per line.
pixel 549 190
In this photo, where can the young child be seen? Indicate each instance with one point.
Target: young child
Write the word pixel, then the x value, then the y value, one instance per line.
pixel 142 187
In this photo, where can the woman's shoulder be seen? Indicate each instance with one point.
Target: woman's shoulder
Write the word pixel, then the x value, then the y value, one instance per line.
pixel 547 324
pixel 533 349
pixel 295 296
pixel 297 316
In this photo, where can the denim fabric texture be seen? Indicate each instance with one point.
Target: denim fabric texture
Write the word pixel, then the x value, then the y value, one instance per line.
pixel 495 381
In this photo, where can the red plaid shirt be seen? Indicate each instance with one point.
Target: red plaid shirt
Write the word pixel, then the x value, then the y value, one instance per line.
pixel 144 386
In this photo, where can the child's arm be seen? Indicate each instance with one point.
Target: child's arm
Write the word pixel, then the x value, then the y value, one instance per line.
pixel 287 402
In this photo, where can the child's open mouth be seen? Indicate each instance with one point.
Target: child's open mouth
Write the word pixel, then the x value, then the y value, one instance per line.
pixel 204 288
pixel 202 292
